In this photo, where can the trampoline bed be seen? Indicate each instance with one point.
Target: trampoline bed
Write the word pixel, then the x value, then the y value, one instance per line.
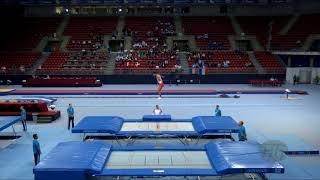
pixel 82 160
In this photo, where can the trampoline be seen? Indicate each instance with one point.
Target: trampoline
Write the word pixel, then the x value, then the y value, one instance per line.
pixel 157 126
pixel 7 121
pixel 84 160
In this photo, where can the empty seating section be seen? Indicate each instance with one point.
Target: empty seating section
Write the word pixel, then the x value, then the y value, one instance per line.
pixel 258 26
pixel 239 62
pixel 217 30
pixel 298 33
pixel 75 63
pixel 17 62
pixel 278 23
pixel 31 31
pixel 54 63
pixel 269 62
pixel 261 26
pixel 316 61
pixel 143 62
pixel 88 32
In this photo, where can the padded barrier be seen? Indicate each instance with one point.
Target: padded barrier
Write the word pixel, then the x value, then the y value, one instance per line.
pixel 156 117
pixel 66 82
pixel 7 121
pixel 215 124
pixel 29 106
pixel 13 109
pixel 73 160
pixel 241 157
pixel 99 124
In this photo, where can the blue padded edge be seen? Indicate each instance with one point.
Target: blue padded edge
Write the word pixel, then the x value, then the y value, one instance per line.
pixel 7 121
pixel 215 124
pixel 156 117
pixel 99 124
pixel 75 156
pixel 241 157
pixel 158 148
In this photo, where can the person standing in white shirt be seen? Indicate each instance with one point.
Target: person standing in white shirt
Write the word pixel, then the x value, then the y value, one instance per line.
pixel 157 111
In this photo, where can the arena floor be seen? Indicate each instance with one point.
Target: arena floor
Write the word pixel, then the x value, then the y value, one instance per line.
pixel 293 121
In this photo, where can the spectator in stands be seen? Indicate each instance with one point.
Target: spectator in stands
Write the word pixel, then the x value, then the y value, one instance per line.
pixel 273 79
pixel 36 149
pixel 3 69
pixel 217 111
pixel 23 116
pixel 242 132
pixel 70 112
pixel 114 36
pixel 157 111
pixel 295 79
pixel 178 68
pixel 22 69
pixel 200 63
pixel 226 63
pixel 211 45
pixel 121 46
pixel 248 64
pixel 9 82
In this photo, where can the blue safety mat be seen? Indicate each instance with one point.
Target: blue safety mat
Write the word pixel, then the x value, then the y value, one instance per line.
pixel 7 121
pixel 241 157
pixel 215 124
pixel 73 158
pixel 99 124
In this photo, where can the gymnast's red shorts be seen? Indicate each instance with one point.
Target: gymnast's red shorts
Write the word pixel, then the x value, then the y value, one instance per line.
pixel 161 84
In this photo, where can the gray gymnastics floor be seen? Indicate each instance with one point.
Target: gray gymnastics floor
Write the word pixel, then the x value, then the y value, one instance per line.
pixel 295 122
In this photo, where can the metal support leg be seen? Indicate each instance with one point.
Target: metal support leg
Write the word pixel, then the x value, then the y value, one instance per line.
pixel 131 141
pixel 198 139
pixel 117 140
pixel 84 137
pixel 14 132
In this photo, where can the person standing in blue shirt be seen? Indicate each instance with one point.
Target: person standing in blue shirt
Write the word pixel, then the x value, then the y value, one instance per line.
pixel 242 132
pixel 36 149
pixel 70 111
pixel 23 116
pixel 217 111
